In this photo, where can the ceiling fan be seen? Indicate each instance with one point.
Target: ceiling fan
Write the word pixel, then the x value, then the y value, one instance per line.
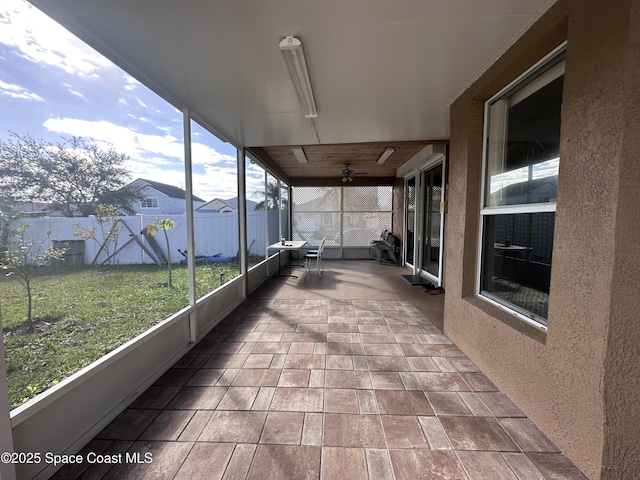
pixel 347 174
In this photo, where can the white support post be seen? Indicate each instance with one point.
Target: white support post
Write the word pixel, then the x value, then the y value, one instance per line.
pixel 191 246
pixel 242 218
pixel 7 469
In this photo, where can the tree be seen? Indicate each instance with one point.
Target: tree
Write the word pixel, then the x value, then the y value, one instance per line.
pixel 108 222
pixel 24 260
pixel 271 197
pixel 165 225
pixel 74 176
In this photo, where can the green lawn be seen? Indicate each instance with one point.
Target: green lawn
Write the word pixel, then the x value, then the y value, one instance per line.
pixel 83 313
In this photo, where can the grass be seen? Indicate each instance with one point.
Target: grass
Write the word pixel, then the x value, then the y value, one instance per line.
pixel 82 313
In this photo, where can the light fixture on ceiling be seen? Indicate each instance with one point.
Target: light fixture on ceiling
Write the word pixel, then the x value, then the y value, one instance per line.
pixel 298 152
pixel 291 48
pixel 386 154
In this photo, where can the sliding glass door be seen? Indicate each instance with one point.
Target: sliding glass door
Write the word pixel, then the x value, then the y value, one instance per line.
pixel 410 220
pixel 431 182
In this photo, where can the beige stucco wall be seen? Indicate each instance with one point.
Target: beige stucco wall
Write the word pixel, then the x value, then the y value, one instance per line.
pixel 578 381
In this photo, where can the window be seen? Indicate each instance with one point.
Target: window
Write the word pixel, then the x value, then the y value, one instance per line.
pixel 150 202
pixel 522 156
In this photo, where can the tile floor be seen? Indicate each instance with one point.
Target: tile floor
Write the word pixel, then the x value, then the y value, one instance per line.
pixel 324 389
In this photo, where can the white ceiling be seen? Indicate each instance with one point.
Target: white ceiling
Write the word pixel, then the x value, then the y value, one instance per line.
pixel 381 70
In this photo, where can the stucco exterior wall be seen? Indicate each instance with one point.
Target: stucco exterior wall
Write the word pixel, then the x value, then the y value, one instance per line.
pixel 577 380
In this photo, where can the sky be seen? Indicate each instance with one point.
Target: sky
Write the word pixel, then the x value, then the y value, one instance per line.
pixel 54 87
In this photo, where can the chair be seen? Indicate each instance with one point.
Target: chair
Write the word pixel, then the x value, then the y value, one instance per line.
pixel 315 251
pixel 318 256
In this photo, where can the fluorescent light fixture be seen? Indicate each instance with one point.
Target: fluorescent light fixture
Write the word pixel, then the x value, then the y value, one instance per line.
pixel 294 57
pixel 298 152
pixel 386 154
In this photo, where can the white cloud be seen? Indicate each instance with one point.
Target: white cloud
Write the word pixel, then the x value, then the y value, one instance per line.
pixel 202 154
pixel 43 41
pixel 124 139
pixel 17 91
pixel 141 103
pixel 75 92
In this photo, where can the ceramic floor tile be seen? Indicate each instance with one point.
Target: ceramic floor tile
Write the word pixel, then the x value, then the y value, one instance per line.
pixel 402 431
pixel 238 398
pixel 485 465
pixel 258 377
pixel 165 459
pixel 447 403
pixel 387 381
pixel 341 430
pixel 341 463
pixel 499 404
pixel 426 465
pixel 206 460
pixel 312 429
pixel 341 401
pixel 309 361
pixel 195 426
pixel 347 379
pixel 379 464
pixel 234 427
pixel 197 398
pixel 441 382
pixel 526 435
pixel 552 465
pixel 176 377
pixel 129 425
pixel 394 402
pixel 339 362
pixel 258 360
pixel 477 433
pixel 423 364
pixel 285 463
pixel 298 400
pixel 238 466
pixel 283 428
pixel 388 364
pixel 294 378
pixel 205 377
pixel 522 466
pixel 168 425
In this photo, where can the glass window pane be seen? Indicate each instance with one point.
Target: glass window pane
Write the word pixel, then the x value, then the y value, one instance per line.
pixel 524 144
pixel 284 210
pixel 273 216
pixel 216 230
pixel 517 252
pixel 257 204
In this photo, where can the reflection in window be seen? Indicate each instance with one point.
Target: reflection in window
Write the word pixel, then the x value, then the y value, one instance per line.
pixel 257 205
pixel 517 260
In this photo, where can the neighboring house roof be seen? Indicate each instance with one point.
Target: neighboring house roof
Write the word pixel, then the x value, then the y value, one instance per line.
pixel 34 208
pixel 169 190
pixel 218 204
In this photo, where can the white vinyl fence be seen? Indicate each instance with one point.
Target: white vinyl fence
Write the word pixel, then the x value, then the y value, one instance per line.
pixel 216 234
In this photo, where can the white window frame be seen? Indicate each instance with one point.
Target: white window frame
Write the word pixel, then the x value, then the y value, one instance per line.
pixel 525 82
pixel 154 201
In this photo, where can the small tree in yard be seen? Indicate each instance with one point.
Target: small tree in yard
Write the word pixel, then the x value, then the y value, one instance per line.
pixel 165 225
pixel 107 219
pixel 24 260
